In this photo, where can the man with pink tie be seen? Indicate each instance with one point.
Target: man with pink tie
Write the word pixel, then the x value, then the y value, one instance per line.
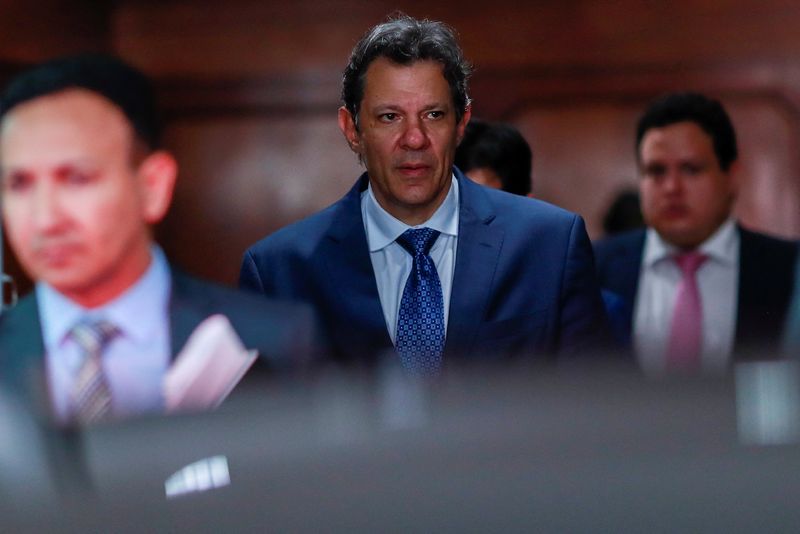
pixel 701 288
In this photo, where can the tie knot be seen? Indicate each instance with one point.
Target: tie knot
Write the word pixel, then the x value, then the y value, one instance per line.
pixel 93 336
pixel 418 240
pixel 689 262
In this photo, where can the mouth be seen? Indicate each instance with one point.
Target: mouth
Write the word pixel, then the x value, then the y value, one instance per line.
pixel 674 211
pixel 414 170
pixel 55 255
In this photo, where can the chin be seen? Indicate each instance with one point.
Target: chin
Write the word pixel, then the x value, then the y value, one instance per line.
pixel 417 198
pixel 682 240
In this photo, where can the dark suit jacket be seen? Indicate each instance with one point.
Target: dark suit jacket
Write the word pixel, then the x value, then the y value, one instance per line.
pixel 283 333
pixel 523 280
pixel 766 278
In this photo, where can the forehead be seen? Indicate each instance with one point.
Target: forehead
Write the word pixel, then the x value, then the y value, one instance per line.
pixel 387 80
pixel 684 139
pixel 59 124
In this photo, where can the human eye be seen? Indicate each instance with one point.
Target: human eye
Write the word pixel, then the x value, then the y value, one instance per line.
pixel 655 171
pixel 78 177
pixel 692 169
pixel 75 176
pixel 434 114
pixel 388 117
pixel 17 181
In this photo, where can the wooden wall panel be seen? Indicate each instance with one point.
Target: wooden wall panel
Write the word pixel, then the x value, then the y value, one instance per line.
pixel 573 75
pixel 584 154
pixel 580 158
pixel 768 135
pixel 252 176
pixel 39 29
pixel 252 37
pixel 250 89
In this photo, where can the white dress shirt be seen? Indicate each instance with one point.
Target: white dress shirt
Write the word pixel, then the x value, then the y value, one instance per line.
pixel 134 362
pixel 718 282
pixel 392 263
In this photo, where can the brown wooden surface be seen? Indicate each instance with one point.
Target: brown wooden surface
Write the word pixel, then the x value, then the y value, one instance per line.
pixel 250 90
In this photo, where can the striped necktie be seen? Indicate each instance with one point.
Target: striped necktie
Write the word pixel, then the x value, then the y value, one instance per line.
pixel 91 396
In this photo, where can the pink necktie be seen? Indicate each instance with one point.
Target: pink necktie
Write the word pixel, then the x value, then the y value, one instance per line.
pixel 686 334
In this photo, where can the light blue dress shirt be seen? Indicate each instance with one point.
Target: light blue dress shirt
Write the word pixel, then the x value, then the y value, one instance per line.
pixel 134 363
pixel 390 261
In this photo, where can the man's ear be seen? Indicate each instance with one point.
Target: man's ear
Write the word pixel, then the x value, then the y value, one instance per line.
pixel 156 175
pixel 463 123
pixel 348 127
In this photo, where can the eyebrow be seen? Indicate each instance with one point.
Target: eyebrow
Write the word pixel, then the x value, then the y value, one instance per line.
pixel 398 107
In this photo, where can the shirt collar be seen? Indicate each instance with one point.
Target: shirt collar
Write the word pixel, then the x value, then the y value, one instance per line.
pixel 383 228
pixel 721 246
pixel 136 312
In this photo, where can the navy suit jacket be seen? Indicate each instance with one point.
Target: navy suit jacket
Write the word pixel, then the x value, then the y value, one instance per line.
pixel 766 279
pixel 283 333
pixel 523 282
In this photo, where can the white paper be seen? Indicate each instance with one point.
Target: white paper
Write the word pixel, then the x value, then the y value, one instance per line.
pixel 208 367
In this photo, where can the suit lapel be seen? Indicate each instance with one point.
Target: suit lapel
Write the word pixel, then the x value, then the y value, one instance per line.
pixel 21 330
pixel 745 287
pixel 347 269
pixel 628 269
pixel 766 276
pixel 619 268
pixel 185 311
pixel 22 354
pixel 478 252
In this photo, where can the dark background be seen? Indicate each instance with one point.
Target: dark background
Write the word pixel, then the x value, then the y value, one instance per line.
pixel 250 91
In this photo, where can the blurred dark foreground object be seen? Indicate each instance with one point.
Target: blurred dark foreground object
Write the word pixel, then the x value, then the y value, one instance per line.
pixel 486 450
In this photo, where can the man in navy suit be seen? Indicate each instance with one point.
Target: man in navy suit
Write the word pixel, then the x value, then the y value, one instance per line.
pixel 742 280
pixel 512 275
pixel 83 178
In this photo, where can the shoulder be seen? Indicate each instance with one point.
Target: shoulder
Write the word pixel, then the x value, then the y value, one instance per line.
pixel 21 342
pixel 514 213
pixel 303 234
pixel 236 304
pixel 277 328
pixel 624 243
pixel 758 243
pixel 20 322
pixel 766 260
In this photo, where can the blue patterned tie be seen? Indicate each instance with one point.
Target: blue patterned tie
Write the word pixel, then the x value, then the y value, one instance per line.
pixel 420 323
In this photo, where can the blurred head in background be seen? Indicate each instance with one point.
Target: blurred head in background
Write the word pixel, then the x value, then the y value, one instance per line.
pixel 496 155
pixel 686 152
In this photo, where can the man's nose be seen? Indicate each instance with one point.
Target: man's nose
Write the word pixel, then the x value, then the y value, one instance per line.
pixel 673 181
pixel 415 136
pixel 46 208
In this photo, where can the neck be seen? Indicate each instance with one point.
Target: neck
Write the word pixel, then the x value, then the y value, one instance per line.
pixel 112 285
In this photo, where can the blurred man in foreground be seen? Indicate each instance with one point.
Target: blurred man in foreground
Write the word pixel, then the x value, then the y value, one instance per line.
pixel 703 286
pixel 415 256
pixel 83 179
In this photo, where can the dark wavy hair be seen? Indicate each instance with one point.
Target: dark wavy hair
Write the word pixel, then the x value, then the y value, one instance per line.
pixel 108 76
pixel 404 40
pixel 706 112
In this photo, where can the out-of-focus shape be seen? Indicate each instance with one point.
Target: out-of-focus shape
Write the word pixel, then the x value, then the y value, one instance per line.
pixel 207 369
pixel 203 475
pixel 496 155
pixel 768 402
